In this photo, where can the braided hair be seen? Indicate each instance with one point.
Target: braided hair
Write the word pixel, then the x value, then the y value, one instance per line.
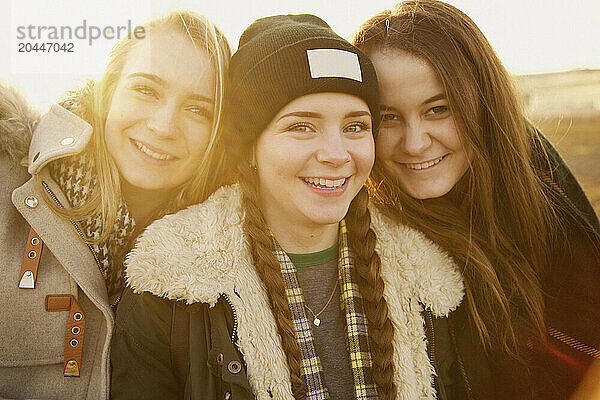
pixel 367 274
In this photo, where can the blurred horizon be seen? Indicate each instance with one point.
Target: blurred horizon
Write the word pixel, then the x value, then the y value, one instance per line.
pixel 538 36
pixel 549 46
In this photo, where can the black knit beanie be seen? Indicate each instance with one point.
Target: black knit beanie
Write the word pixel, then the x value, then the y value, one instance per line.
pixel 281 58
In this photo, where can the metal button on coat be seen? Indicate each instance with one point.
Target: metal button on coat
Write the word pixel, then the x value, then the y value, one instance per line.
pixel 220 358
pixel 234 367
pixel 31 201
pixel 227 395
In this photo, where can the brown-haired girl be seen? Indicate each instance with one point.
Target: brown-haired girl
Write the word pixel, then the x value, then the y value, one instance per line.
pixel 85 179
pixel 457 160
pixel 285 285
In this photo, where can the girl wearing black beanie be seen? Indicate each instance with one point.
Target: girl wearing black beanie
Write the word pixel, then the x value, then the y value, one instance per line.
pixel 278 286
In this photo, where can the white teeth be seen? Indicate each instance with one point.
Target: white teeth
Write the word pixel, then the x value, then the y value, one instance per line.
pixel 427 164
pixel 151 153
pixel 322 183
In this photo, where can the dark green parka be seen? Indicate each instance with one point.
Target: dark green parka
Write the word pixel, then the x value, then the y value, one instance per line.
pixel 200 256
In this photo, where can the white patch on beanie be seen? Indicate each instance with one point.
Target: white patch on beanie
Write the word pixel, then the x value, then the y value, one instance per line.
pixel 334 63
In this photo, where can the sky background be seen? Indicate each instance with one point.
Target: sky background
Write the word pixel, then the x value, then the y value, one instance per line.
pixel 534 36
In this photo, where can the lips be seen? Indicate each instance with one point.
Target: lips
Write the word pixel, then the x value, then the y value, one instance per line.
pixel 325 183
pixel 152 152
pixel 423 165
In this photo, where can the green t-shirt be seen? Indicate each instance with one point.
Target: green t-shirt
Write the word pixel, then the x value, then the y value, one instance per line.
pixel 317 275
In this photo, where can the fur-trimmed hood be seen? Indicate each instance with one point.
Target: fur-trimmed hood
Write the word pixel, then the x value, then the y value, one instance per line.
pixel 17 123
pixel 18 119
pixel 201 253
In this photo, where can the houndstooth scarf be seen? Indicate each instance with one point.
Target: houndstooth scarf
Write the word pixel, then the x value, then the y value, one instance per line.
pixel 76 176
pixel 357 338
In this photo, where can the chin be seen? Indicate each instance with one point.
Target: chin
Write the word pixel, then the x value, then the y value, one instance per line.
pixel 149 183
pixel 426 193
pixel 328 217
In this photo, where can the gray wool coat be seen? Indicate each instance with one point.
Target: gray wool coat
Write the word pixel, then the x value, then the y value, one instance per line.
pixel 32 340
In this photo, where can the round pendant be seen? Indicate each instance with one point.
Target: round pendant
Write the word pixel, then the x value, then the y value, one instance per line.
pixel 317 322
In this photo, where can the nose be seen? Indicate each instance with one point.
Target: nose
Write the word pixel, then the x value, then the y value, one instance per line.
pixel 163 120
pixel 415 139
pixel 333 150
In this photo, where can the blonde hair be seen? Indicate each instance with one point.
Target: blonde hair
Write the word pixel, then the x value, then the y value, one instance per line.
pixel 95 101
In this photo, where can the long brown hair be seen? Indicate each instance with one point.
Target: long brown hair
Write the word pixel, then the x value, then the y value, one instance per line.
pixel 499 220
pixel 92 103
pixel 367 272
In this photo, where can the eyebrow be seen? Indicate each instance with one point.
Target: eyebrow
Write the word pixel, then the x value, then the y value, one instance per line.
pixel 308 114
pixel 439 96
pixel 358 114
pixel 160 81
pixel 152 77
pixel 199 97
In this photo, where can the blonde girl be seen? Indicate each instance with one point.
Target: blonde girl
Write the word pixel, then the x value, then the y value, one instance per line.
pixel 81 182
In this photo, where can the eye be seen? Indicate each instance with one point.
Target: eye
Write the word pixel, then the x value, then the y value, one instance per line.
pixel 437 110
pixel 357 127
pixel 145 90
pixel 388 117
pixel 301 127
pixel 200 111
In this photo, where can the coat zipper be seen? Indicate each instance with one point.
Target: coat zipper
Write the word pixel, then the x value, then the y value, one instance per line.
pixel 113 305
pixel 461 365
pixel 77 228
pixel 115 302
pixel 548 179
pixel 235 319
pixel 574 343
pixel 429 333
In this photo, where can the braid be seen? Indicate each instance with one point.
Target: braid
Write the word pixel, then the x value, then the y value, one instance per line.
pixel 269 270
pixel 367 264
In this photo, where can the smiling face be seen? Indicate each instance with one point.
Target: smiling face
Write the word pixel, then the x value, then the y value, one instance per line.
pixel 160 118
pixel 418 144
pixel 313 158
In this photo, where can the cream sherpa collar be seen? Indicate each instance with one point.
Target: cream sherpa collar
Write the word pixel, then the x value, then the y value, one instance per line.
pixel 201 252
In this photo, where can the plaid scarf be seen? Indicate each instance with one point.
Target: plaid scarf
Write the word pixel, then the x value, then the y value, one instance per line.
pixel 76 176
pixel 357 338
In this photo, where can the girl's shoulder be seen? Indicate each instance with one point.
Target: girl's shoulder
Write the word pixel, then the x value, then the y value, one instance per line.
pixel 17 123
pixel 393 236
pixel 195 254
pixel 555 173
pixel 413 265
pixel 207 226
pixel 35 139
pixel 19 120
